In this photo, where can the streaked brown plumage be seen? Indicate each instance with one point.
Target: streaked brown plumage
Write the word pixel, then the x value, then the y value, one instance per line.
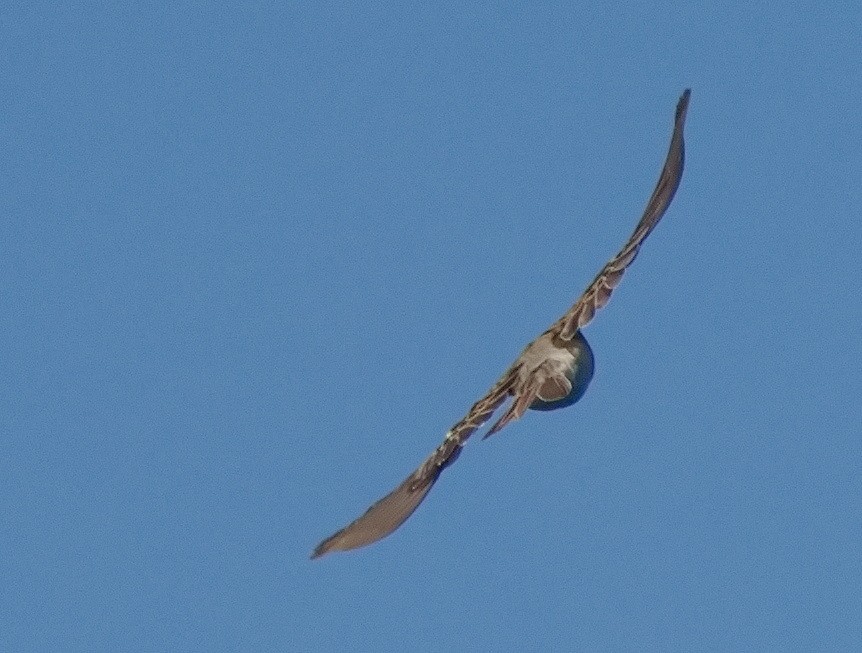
pixel 553 371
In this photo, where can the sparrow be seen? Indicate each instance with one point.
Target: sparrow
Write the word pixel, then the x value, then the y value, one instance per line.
pixel 552 372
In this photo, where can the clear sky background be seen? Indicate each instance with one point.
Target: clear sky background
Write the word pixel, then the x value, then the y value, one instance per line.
pixel 256 260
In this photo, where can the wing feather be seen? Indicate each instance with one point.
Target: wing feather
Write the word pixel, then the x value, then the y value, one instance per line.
pixel 598 292
pixel 391 511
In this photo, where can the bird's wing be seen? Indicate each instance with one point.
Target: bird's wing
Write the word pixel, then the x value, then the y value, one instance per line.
pixel 392 510
pixel 527 390
pixel 599 291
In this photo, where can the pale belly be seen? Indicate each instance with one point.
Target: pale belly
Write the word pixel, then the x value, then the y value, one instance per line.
pixel 577 363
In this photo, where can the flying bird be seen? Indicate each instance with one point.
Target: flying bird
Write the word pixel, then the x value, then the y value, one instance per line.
pixel 552 372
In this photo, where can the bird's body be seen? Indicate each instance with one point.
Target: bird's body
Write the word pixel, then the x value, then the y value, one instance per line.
pixel 567 366
pixel 552 372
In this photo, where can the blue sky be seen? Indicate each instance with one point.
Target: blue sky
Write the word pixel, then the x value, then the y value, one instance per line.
pixel 256 260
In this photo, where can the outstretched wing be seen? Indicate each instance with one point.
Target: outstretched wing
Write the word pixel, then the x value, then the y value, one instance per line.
pixel 598 293
pixel 392 510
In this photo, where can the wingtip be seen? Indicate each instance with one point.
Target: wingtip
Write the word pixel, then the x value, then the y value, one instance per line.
pixel 321 549
pixel 387 514
pixel 682 105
